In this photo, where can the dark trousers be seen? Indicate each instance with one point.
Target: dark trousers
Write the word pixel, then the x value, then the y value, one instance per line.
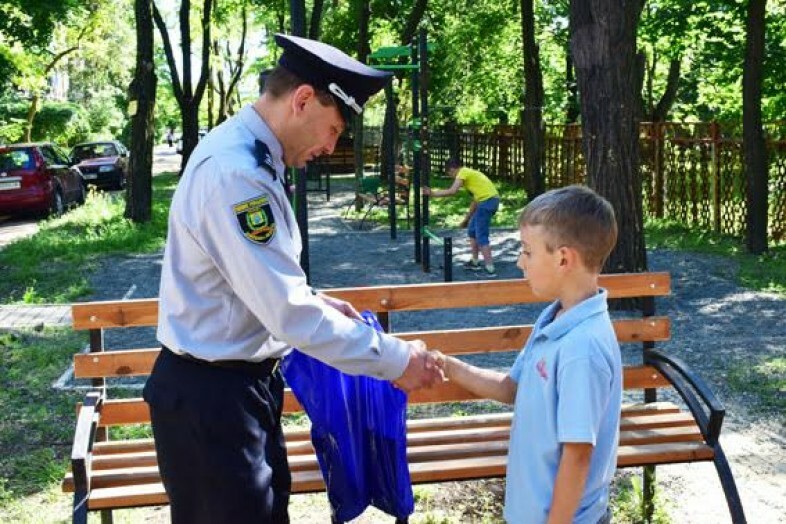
pixel 219 442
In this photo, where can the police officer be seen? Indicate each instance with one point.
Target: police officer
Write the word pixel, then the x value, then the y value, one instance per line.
pixel 234 300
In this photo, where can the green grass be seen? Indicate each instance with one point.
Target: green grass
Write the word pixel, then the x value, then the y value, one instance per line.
pixel 36 422
pixel 765 378
pixel 765 272
pixel 53 265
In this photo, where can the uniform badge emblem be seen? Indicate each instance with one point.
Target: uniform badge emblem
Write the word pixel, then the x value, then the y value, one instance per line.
pixel 256 219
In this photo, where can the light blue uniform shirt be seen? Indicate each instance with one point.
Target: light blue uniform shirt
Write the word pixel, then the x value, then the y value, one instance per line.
pixel 231 283
pixel 569 378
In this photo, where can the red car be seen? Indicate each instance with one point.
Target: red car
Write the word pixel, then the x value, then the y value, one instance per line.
pixel 38 178
pixel 103 164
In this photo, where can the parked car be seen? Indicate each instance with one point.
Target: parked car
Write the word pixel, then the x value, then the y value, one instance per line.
pixel 103 164
pixel 38 178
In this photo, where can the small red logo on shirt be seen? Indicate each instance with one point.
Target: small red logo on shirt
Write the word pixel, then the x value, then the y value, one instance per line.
pixel 541 367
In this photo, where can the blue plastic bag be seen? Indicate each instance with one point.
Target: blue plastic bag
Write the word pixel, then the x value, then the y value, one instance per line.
pixel 358 429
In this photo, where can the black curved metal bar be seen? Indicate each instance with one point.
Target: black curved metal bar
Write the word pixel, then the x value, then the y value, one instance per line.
pixel 685 381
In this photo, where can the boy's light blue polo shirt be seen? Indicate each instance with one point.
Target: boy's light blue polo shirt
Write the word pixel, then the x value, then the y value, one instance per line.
pixel 569 378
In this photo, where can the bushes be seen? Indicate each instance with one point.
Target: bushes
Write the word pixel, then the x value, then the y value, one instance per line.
pixel 61 122
pixel 64 123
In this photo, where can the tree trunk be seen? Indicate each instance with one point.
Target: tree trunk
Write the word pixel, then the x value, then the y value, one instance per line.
pixel 364 49
pixel 31 117
pixel 139 196
pixel 754 145
pixel 533 103
pixel 413 21
pixel 572 113
pixel 603 40
pixel 316 19
pixel 187 97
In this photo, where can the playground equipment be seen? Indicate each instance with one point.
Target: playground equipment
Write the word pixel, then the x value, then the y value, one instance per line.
pixel 417 53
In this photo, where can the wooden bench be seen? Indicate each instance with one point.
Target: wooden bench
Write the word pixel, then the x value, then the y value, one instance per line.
pixel 110 474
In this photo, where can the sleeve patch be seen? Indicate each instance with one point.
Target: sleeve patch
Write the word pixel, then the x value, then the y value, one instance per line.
pixel 256 219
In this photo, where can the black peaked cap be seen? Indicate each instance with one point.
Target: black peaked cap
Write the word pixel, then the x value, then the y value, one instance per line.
pixel 321 65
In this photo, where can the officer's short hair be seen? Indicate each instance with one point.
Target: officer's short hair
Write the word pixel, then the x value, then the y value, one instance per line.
pixel 279 82
pixel 577 217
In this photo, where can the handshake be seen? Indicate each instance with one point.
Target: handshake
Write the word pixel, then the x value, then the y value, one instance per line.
pixel 424 370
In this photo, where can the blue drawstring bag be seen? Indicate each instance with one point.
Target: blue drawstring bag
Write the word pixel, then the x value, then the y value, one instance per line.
pixel 359 433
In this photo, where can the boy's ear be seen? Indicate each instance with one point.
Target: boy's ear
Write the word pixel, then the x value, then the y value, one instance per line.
pixel 569 258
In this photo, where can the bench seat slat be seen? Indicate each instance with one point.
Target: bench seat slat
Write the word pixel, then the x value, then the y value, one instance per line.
pixel 117 464
pixel 152 493
pixel 424 445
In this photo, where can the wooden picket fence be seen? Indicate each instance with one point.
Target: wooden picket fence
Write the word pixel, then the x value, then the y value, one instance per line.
pixel 691 172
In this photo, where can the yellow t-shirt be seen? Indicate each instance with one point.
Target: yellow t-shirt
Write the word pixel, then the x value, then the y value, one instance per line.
pixel 477 183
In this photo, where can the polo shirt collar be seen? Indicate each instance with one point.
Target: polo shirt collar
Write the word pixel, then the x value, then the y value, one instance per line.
pixel 262 132
pixel 574 316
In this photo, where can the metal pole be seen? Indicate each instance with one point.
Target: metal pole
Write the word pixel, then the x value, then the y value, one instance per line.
pixel 448 253
pixel 298 18
pixel 426 262
pixel 424 130
pixel 389 156
pixel 415 139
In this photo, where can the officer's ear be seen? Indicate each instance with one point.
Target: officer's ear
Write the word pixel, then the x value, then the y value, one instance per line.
pixel 303 94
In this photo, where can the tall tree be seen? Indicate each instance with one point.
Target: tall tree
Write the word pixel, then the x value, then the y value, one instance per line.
pixel 533 103
pixel 316 19
pixel 363 50
pixel 51 64
pixel 139 196
pixel 227 67
pixel 603 41
pixel 754 146
pixel 188 97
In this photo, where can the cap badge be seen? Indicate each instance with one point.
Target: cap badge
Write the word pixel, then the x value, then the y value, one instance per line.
pixel 348 100
pixel 256 219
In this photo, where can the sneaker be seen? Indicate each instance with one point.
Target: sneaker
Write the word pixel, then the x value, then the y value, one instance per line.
pixel 490 271
pixel 472 265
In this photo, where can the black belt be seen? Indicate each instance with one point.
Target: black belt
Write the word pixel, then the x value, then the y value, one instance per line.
pixel 260 369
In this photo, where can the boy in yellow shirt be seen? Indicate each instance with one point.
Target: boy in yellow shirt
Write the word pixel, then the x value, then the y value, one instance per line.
pixel 485 203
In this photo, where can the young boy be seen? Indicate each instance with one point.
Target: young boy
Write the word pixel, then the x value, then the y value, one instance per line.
pixel 566 384
pixel 485 203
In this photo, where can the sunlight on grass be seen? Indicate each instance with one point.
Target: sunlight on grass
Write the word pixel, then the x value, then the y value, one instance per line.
pixel 765 272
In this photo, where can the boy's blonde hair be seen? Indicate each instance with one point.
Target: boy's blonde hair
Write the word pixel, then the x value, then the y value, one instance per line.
pixel 577 217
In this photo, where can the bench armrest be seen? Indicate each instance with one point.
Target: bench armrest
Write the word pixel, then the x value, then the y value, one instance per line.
pixel 86 425
pixel 686 382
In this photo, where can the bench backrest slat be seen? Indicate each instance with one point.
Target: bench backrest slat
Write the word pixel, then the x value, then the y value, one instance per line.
pixel 461 341
pixel 144 312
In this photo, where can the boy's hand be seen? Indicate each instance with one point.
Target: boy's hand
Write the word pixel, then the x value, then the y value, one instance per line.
pixel 422 369
pixel 442 361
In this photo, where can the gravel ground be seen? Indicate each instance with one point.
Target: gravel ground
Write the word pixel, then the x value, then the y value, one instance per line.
pixel 717 327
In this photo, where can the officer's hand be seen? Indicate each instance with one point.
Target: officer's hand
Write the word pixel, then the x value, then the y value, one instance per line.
pixel 345 308
pixel 423 369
